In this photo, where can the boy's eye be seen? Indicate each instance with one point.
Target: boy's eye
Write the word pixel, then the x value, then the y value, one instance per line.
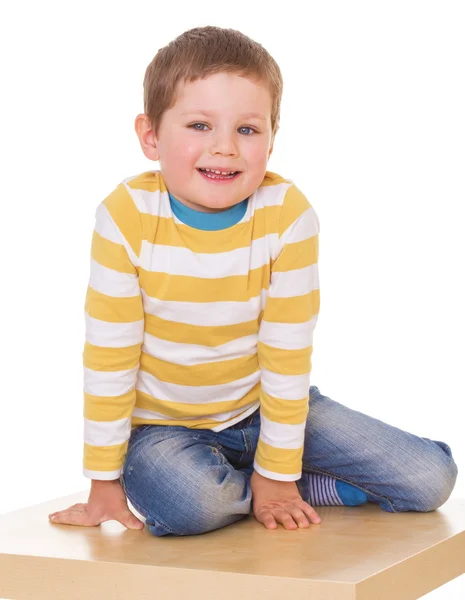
pixel 203 124
pixel 194 126
pixel 245 127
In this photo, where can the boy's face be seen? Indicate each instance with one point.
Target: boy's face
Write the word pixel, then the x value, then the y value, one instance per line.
pixel 228 138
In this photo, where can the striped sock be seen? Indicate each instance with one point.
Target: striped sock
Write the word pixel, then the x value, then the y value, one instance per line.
pixel 323 490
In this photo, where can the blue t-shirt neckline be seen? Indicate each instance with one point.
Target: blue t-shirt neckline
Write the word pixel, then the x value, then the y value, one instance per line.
pixel 208 221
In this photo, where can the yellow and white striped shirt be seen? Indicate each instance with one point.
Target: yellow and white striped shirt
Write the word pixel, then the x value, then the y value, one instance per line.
pixel 200 328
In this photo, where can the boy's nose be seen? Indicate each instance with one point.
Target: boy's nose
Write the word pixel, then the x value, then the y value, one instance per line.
pixel 225 144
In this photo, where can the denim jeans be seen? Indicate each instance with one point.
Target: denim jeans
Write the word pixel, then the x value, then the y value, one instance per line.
pixel 190 481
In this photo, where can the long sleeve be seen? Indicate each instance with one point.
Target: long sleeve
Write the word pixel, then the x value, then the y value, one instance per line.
pixel 114 325
pixel 285 341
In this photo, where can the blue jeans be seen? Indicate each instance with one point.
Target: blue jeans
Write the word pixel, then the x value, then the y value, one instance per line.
pixel 190 481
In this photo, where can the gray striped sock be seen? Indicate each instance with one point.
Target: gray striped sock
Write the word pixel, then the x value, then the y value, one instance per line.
pixel 322 489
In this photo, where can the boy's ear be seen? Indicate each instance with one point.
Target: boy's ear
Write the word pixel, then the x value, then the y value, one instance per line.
pixel 146 135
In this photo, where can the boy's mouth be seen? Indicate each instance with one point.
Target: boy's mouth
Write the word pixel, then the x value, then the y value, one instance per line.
pixel 212 176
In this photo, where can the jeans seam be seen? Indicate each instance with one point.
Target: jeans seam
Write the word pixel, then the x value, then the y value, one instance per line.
pixel 321 472
pixel 252 417
pixel 141 509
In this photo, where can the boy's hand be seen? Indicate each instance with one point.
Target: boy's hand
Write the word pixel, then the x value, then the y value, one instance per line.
pixel 107 501
pixel 279 501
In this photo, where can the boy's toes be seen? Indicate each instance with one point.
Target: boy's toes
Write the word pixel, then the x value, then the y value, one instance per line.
pixel 56 515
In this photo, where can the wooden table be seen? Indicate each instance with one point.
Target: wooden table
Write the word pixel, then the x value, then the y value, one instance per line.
pixel 356 553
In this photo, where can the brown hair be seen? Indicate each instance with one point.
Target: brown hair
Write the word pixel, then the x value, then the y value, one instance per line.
pixel 203 51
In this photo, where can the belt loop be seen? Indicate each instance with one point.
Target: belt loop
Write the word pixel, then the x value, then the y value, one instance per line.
pixel 247 440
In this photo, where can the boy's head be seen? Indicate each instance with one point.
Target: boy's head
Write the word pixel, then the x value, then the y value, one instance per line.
pixel 224 73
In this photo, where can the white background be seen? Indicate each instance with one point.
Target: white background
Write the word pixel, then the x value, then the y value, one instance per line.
pixel 372 131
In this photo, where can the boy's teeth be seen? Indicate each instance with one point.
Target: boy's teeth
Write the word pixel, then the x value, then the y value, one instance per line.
pixel 219 172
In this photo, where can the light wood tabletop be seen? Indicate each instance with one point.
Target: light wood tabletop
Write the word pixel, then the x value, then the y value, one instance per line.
pixel 356 553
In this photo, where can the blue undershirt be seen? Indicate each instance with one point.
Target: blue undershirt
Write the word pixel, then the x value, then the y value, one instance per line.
pixel 208 221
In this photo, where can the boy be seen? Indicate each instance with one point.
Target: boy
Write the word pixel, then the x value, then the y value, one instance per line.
pixel 200 312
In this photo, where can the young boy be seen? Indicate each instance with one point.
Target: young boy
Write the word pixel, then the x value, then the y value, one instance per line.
pixel 202 302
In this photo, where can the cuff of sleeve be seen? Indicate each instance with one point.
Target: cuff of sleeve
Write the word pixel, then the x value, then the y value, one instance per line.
pixel 274 475
pixel 102 475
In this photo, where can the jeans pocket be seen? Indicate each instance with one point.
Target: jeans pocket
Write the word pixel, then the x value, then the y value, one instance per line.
pixel 138 429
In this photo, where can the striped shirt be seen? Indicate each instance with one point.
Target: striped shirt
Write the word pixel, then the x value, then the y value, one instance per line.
pixel 199 328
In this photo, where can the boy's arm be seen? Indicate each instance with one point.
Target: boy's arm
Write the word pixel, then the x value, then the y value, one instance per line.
pixel 114 320
pixel 285 341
